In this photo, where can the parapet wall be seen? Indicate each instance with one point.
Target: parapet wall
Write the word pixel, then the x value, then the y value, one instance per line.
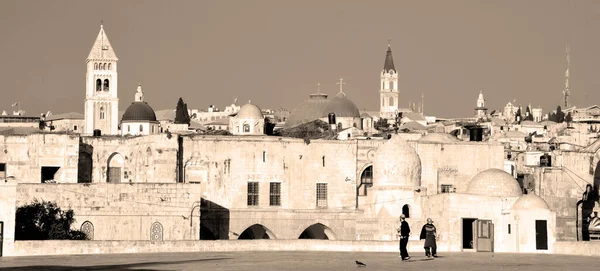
pixel 124 211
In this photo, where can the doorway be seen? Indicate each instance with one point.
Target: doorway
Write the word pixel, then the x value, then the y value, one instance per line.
pixel 1 236
pixel 467 233
pixel 484 235
pixel 541 235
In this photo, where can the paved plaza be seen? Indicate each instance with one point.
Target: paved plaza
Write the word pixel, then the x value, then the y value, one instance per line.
pixel 300 261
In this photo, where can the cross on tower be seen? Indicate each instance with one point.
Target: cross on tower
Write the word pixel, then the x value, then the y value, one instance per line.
pixel 341 83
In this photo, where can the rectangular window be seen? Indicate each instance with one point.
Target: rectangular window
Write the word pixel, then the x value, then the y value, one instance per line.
pixel 275 194
pixel 264 156
pixel 447 188
pixel 2 170
pixel 74 127
pixel 508 228
pixel 253 194
pixel 322 195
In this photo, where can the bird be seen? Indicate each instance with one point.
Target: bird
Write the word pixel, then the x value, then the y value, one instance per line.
pixel 360 264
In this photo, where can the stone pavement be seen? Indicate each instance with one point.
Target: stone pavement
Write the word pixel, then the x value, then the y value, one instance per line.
pixel 301 261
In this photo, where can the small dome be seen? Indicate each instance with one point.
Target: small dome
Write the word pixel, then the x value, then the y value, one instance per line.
pixel 494 182
pixel 309 110
pixel 439 137
pixel 342 107
pixel 249 111
pixel 139 111
pixel 530 202
pixel 396 163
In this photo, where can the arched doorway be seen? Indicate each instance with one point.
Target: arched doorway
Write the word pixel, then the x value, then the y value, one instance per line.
pixel 317 231
pixel 256 231
pixel 406 210
pixel 115 168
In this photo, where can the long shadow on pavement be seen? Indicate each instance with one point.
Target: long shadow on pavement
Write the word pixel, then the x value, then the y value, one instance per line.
pixel 121 267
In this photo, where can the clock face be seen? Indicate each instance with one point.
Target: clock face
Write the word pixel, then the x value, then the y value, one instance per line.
pixel 371 155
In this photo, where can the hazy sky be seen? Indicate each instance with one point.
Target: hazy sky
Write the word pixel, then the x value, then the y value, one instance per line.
pixel 275 52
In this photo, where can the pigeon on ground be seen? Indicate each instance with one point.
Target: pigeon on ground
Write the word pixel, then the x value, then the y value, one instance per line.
pixel 360 264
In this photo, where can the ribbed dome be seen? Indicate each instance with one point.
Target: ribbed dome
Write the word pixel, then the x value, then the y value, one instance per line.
pixel 494 182
pixel 249 111
pixel 312 109
pixel 396 164
pixel 530 202
pixel 139 111
pixel 342 107
pixel 439 137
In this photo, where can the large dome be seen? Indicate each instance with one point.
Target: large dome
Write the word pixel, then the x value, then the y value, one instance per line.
pixel 439 138
pixel 342 107
pixel 494 182
pixel 139 111
pixel 249 111
pixel 396 163
pixel 308 110
pixel 530 202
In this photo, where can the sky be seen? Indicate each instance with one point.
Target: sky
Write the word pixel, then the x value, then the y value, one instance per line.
pixel 275 52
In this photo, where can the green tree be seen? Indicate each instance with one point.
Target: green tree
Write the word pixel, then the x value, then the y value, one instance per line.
pixel 560 115
pixel 181 113
pixel 568 118
pixel 45 221
pixel 382 124
pixel 518 117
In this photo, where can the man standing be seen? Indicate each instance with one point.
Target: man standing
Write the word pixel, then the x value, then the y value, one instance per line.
pixel 403 233
pixel 428 232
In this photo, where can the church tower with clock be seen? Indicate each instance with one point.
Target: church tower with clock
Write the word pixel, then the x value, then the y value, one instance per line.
pixel 101 110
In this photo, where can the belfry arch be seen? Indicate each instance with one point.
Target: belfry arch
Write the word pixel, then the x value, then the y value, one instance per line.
pixel 115 166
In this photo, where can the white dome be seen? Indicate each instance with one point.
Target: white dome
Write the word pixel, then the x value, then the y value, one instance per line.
pixel 249 111
pixel 494 182
pixel 530 202
pixel 396 164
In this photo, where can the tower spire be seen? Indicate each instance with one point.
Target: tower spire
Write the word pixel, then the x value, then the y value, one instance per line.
pixel 389 60
pixel 567 90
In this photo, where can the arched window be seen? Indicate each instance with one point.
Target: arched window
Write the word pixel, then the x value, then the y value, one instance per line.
pixel 95 66
pixel 382 85
pixel 109 66
pixel 141 128
pixel 339 126
pixel 106 84
pixel 104 66
pixel 98 84
pixel 102 112
pixel 128 128
pixel 391 103
pixel 406 210
pixel 246 128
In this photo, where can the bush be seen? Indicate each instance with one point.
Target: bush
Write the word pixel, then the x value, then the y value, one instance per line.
pixel 45 221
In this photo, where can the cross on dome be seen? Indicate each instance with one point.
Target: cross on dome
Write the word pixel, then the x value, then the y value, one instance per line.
pixel 341 83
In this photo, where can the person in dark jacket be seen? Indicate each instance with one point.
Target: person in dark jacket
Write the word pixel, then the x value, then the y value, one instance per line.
pixel 403 233
pixel 428 232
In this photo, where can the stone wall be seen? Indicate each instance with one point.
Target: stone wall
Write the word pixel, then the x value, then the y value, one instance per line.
pixel 26 155
pixel 8 197
pixel 142 159
pixel 125 211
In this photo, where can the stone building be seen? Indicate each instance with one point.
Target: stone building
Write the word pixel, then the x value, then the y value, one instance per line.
pixel 249 120
pixel 101 110
pixel 139 118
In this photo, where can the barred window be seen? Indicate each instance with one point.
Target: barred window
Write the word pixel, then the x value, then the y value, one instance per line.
pixel 447 188
pixel 275 194
pixel 322 195
pixel 252 193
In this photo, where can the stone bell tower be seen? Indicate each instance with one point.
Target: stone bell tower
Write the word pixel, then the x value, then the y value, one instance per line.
pixel 388 101
pixel 101 102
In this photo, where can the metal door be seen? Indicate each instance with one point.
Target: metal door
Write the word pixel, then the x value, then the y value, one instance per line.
pixel 114 174
pixel 541 235
pixel 483 235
